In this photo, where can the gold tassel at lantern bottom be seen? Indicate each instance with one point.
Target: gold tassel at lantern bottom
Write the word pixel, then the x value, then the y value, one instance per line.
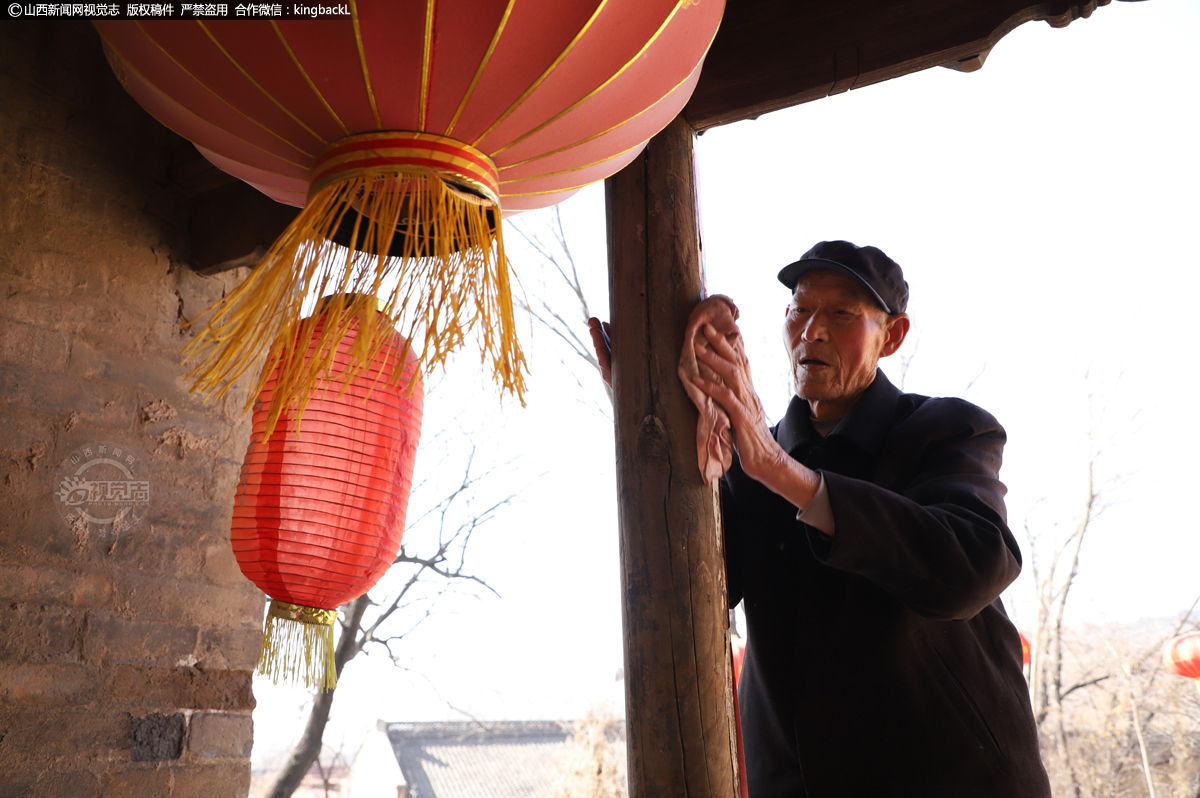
pixel 298 646
pixel 426 241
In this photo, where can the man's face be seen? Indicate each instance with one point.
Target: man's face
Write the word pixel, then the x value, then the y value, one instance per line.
pixel 835 332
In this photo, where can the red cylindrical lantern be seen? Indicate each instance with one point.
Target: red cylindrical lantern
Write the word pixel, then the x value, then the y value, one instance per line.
pixel 739 656
pixel 321 503
pixel 1025 649
pixel 405 129
pixel 1182 655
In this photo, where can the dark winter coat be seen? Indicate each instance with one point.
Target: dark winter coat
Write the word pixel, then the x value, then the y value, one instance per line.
pixel 880 660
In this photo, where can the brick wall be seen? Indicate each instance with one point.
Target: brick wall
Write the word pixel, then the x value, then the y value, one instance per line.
pixel 126 648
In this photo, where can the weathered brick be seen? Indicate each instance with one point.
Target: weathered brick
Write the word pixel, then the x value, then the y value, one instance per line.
pixel 71 734
pixel 54 273
pixel 183 687
pixel 188 601
pixel 157 737
pixel 235 648
pixel 208 780
pixel 50 585
pixel 22 429
pixel 111 638
pixel 37 528
pixel 47 684
pixel 221 566
pixel 32 632
pixel 171 500
pixel 28 345
pixel 31 303
pixel 136 781
pixel 58 784
pixel 155 548
pixel 197 294
pixel 158 375
pixel 89 226
pixel 207 429
pixel 213 735
pixel 29 473
pixel 226 473
pixel 18 783
pixel 102 409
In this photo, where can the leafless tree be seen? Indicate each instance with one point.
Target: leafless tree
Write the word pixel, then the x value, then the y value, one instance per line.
pixel 907 356
pixel 1053 583
pixel 1134 735
pixel 595 766
pixel 546 240
pixel 1123 733
pixel 382 619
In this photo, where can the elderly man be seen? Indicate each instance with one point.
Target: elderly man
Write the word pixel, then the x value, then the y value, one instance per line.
pixel 866 536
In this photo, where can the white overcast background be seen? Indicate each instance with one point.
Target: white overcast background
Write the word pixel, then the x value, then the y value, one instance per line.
pixel 1044 210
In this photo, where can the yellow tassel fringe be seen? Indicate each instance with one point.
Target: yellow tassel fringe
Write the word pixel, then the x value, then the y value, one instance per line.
pixel 450 277
pixel 298 652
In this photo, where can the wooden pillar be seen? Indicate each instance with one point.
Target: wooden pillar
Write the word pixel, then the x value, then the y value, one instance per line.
pixel 679 715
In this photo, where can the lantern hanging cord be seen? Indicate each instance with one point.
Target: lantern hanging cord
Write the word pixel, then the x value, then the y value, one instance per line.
pixel 447 276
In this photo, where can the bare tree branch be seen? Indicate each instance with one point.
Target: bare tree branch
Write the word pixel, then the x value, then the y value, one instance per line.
pixel 367 622
pixel 567 327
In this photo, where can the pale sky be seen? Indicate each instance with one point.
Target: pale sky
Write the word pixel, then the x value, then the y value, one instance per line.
pixel 1044 211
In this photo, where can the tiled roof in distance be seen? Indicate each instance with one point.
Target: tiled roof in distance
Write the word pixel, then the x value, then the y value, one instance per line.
pixel 505 759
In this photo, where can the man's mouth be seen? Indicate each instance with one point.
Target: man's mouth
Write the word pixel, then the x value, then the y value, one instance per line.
pixel 812 362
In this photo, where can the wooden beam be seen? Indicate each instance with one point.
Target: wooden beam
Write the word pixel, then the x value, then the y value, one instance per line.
pixel 679 718
pixel 772 54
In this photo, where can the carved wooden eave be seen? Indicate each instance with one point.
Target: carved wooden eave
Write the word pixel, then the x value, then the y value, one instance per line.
pixel 773 54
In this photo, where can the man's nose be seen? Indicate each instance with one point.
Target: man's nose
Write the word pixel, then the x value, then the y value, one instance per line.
pixel 816 329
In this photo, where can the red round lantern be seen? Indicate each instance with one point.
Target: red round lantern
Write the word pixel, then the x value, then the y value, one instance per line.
pixel 405 129
pixel 1025 649
pixel 321 503
pixel 1181 655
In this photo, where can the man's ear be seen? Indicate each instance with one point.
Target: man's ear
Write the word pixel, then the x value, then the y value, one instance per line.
pixel 897 326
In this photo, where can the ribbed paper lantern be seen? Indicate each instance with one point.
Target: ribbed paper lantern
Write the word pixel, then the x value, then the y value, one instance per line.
pixel 320 506
pixel 1182 655
pixel 430 117
pixel 739 656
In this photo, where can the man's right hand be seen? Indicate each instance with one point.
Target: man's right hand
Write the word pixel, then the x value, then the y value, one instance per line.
pixel 760 455
pixel 602 343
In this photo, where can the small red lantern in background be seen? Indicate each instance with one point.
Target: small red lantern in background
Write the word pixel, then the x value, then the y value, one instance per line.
pixel 739 656
pixel 1025 649
pixel 1181 655
pixel 321 503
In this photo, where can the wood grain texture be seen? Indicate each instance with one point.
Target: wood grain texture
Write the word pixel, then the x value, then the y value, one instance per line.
pixel 677 664
pixel 772 54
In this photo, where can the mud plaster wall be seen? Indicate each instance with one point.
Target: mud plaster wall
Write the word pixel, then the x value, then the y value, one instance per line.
pixel 125 653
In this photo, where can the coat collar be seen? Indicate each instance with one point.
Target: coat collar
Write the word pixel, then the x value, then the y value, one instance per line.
pixel 865 426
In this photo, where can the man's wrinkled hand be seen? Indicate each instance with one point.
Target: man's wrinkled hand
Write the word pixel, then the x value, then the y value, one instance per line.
pixel 757 450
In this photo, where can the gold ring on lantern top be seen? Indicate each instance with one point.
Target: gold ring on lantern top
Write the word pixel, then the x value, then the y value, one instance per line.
pixel 467 172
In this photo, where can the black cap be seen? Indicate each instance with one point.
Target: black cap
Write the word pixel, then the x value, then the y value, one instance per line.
pixel 877 272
